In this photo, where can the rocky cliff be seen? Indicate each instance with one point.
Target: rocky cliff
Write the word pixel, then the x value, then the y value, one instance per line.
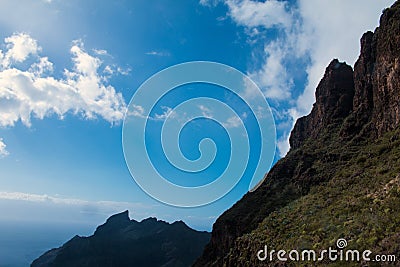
pixel 123 242
pixel 334 102
pixel 341 178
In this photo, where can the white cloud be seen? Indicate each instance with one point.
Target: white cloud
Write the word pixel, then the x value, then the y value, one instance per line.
pixel 84 63
pixel 136 111
pixel 313 30
pixel 235 121
pixel 269 14
pixel 42 67
pixel 273 77
pixel 19 47
pixel 167 112
pixel 110 70
pixel 283 146
pixel 331 29
pixel 232 122
pixel 3 151
pixel 31 92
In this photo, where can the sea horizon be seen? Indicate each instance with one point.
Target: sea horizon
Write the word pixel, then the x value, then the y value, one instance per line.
pixel 21 242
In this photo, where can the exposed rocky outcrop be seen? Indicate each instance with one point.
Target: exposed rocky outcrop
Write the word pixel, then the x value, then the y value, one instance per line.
pixel 334 102
pixel 345 148
pixel 291 177
pixel 377 80
pixel 123 242
pixel 363 97
pixel 386 72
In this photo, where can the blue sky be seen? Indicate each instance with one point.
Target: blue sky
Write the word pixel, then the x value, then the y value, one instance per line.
pixel 69 68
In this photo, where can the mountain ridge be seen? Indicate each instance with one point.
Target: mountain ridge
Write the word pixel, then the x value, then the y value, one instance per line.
pixel 348 146
pixel 121 241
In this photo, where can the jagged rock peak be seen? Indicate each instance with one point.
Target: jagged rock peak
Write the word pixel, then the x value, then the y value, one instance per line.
pixel 362 74
pixel 335 92
pixel 115 223
pixel 386 72
pixel 119 217
pixel 377 79
pixel 124 243
pixel 328 133
pixel 333 102
pixel 150 220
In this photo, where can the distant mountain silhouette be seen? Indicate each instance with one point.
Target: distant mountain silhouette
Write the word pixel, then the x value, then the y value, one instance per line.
pixel 123 242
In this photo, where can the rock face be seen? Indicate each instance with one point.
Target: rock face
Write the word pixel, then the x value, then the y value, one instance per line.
pixel 377 78
pixel 369 95
pixel 337 150
pixel 124 242
pixel 386 72
pixel 334 102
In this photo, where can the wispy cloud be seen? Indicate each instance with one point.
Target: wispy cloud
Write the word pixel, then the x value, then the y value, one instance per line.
pixel 102 207
pixel 158 53
pixel 167 112
pixel 100 52
pixel 206 112
pixel 311 33
pixel 234 121
pixel 273 77
pixel 138 111
pixel 57 209
pixel 3 151
pixel 209 3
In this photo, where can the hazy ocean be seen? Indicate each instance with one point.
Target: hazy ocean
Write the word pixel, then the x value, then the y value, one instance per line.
pixel 21 243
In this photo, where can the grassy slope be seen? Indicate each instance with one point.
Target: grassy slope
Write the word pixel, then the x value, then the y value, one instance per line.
pixel 360 201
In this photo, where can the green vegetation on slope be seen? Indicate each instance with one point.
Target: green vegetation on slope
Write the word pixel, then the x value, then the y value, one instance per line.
pixel 360 202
